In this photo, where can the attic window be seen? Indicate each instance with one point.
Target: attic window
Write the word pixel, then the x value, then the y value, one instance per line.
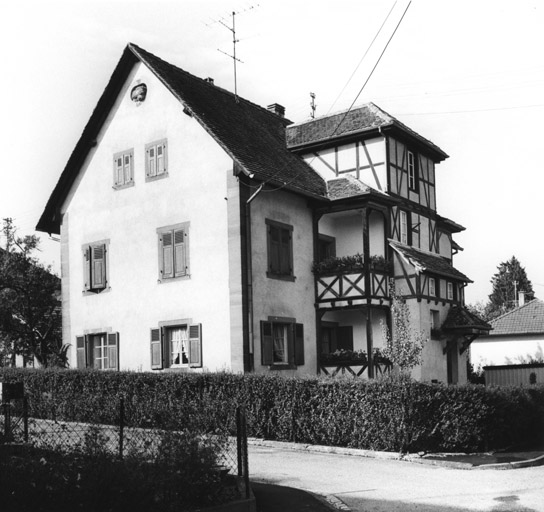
pixel 138 93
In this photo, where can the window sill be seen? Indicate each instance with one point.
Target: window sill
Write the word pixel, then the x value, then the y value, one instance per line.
pixel 155 178
pixel 276 367
pixel 281 277
pixel 86 293
pixel 165 280
pixel 125 185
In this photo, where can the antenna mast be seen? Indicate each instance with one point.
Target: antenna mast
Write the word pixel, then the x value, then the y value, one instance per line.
pixel 313 106
pixel 233 56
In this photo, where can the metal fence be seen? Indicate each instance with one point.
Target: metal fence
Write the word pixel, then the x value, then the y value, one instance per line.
pixel 169 460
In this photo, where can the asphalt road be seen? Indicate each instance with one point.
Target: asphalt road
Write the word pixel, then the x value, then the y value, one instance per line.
pixel 374 485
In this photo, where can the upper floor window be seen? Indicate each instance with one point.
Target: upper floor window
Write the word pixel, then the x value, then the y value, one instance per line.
pixel 412 171
pixel 156 160
pixel 95 266
pixel 404 227
pixel 326 247
pixel 450 291
pixel 173 251
pixel 123 169
pixel 432 287
pixel 280 250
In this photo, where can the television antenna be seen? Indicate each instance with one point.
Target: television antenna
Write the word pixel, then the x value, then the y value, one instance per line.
pixel 313 106
pixel 232 28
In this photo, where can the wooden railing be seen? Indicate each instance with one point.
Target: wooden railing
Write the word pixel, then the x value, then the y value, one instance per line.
pixel 347 287
pixel 354 368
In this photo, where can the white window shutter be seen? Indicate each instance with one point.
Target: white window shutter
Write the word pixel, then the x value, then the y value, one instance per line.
pixel 195 345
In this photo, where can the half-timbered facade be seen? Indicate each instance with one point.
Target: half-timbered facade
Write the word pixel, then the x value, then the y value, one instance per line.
pixel 200 232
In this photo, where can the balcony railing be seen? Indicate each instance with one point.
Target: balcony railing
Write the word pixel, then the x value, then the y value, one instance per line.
pixel 343 284
pixel 353 363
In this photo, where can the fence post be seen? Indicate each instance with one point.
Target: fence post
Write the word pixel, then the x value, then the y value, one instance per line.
pixel 239 439
pixel 245 454
pixel 7 421
pixel 25 418
pixel 121 426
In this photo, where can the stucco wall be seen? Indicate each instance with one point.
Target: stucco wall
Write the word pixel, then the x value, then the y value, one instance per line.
pixel 195 191
pixel 283 298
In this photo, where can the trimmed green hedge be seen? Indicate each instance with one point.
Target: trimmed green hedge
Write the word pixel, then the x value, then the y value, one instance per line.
pixel 388 414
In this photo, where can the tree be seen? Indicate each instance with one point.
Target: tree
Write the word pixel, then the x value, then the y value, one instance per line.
pixel 30 312
pixel 510 279
pixel 404 348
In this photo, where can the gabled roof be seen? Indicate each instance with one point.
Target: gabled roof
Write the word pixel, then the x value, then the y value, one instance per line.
pixel 526 319
pixel 252 136
pixel 367 119
pixel 428 262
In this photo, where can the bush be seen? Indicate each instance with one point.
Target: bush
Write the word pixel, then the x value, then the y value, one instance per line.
pixel 392 414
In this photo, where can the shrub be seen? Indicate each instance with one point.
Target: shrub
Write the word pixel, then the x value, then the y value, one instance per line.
pixel 394 414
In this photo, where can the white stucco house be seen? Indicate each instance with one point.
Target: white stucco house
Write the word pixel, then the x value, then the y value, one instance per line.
pixel 202 232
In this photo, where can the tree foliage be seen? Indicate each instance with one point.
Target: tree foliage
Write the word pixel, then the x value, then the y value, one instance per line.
pixel 30 312
pixel 405 346
pixel 508 281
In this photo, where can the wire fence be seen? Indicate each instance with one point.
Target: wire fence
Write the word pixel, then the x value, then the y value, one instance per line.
pixel 165 468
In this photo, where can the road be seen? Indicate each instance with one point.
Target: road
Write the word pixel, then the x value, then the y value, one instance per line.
pixel 375 485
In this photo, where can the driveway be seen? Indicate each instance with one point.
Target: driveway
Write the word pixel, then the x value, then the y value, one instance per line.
pixel 369 484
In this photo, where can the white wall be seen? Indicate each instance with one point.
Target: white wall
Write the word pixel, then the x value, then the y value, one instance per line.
pixel 490 351
pixel 194 192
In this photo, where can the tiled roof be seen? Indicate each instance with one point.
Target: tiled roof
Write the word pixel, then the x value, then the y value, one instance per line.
pixel 428 262
pixel 366 118
pixel 460 318
pixel 347 186
pixel 527 319
pixel 251 135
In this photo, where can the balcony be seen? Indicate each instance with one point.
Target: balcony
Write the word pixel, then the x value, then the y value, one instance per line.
pixel 341 281
pixel 354 363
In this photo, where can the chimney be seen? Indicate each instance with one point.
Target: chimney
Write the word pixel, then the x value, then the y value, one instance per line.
pixel 521 298
pixel 209 80
pixel 277 109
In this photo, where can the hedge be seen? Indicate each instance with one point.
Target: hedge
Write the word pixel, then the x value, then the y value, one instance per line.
pixel 387 414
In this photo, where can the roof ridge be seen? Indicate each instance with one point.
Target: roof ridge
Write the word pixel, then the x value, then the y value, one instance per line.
pixel 140 53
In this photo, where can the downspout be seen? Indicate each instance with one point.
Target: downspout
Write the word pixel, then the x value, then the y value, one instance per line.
pixel 251 333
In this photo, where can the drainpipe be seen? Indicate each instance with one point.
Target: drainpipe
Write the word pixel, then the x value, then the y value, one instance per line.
pixel 251 333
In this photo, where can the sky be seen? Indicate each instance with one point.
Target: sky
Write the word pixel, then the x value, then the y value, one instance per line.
pixel 468 75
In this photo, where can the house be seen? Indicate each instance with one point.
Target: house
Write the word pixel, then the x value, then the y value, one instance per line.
pixel 200 232
pixel 514 348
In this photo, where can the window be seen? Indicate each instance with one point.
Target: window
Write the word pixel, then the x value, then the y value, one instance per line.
pixel 450 291
pixel 280 250
pixel 173 251
pixel 95 267
pixel 176 344
pixel 99 351
pixel 432 287
pixel 282 343
pixel 123 169
pixel 404 227
pixel 412 171
pixel 156 161
pixel 435 323
pixel 335 337
pixel 326 247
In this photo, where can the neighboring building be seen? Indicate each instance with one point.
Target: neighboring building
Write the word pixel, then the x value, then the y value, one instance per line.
pixel 190 221
pixel 517 338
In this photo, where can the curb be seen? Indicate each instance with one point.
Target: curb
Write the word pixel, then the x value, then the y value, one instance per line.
pixel 417 459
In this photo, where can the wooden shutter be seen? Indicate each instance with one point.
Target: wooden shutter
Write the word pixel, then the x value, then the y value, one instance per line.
pixel 161 158
pixel 127 160
pixel 267 343
pixel 195 345
pixel 118 164
pixel 180 266
pixel 151 161
pixel 156 350
pixel 167 248
pixel 113 351
pixel 81 352
pixel 87 269
pixel 273 249
pixel 285 252
pixel 299 344
pixel 98 266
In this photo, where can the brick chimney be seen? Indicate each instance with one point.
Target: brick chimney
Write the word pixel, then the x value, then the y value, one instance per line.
pixel 277 109
pixel 209 80
pixel 521 298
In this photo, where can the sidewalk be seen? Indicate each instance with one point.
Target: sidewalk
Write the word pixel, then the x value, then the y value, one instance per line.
pixel 277 498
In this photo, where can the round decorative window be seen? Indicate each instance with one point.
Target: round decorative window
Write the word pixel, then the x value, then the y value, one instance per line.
pixel 138 93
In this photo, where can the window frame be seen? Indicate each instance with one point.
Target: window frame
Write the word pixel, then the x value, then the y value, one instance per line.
pixel 432 287
pixel 450 293
pixel 161 347
pixel 404 227
pixel 90 261
pixel 85 350
pixel 150 174
pixel 413 171
pixel 274 268
pixel 175 246
pixel 124 183
pixel 326 247
pixel 294 343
